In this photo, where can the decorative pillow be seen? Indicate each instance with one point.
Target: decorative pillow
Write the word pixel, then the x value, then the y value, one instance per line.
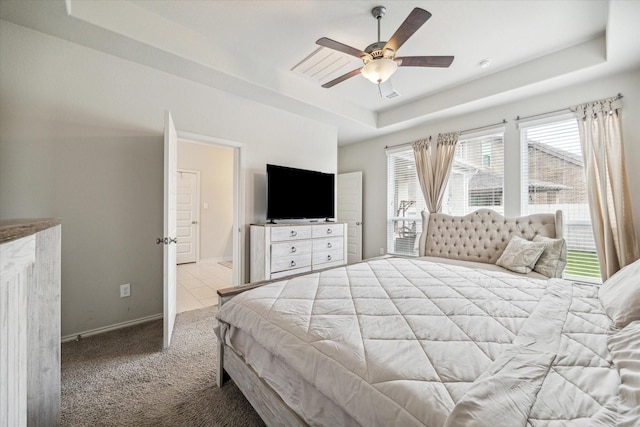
pixel 620 295
pixel 520 255
pixel 554 258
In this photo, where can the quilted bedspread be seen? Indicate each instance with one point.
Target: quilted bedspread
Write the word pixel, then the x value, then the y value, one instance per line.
pixel 409 342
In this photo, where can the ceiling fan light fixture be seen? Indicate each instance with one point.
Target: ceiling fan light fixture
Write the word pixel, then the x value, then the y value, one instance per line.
pixel 379 70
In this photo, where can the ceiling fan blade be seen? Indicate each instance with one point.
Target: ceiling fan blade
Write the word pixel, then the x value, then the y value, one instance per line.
pixel 415 20
pixel 332 44
pixel 424 61
pixel 342 78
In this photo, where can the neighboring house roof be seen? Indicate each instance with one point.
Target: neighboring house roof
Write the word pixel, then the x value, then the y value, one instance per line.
pixel 567 156
pixel 486 181
pixel 541 186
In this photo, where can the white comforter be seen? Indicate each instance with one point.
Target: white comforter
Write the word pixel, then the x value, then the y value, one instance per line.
pixel 410 342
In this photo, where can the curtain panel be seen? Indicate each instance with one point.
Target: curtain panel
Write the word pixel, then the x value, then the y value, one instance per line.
pixel 609 204
pixel 433 165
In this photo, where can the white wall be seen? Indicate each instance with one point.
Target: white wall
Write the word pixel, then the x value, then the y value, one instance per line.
pixel 215 165
pixel 369 156
pixel 81 139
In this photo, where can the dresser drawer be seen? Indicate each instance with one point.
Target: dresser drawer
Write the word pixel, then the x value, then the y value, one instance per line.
pixel 327 230
pixel 292 232
pixel 330 255
pixel 327 243
pixel 290 262
pixel 287 249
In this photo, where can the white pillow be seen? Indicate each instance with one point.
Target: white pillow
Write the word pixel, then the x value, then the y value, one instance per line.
pixel 520 255
pixel 624 347
pixel 620 295
pixel 554 258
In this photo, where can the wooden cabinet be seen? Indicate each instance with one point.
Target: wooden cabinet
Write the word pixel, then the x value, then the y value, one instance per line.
pixel 29 322
pixel 280 250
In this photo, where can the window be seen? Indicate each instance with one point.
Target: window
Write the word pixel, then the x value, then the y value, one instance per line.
pixel 477 175
pixel 405 201
pixel 476 181
pixel 553 178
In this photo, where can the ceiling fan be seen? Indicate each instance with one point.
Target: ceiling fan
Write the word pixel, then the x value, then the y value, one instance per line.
pixel 379 58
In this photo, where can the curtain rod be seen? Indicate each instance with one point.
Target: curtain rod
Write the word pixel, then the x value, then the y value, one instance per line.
pixel 567 109
pixel 504 121
pixel 386 147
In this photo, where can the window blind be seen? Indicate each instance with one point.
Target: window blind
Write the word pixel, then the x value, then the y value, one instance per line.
pixel 477 175
pixel 405 202
pixel 553 179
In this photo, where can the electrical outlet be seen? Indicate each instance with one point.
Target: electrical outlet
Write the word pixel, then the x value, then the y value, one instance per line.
pixel 125 290
pixel 381 251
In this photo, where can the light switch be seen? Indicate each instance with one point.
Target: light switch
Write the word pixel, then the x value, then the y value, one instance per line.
pixel 205 205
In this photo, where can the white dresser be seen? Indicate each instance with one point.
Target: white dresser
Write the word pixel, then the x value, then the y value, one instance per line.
pixel 280 250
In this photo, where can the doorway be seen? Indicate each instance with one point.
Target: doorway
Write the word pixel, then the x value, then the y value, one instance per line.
pixel 209 236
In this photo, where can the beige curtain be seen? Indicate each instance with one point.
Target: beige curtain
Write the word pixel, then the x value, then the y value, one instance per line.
pixel 433 167
pixel 609 204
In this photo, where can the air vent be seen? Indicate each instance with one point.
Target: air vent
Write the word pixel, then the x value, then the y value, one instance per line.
pixel 323 65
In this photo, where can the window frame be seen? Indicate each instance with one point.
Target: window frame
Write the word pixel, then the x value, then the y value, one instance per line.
pixel 523 125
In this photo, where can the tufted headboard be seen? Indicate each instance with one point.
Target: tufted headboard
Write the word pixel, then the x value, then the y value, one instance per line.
pixel 481 236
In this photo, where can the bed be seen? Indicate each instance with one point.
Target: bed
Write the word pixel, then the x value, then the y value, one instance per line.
pixel 413 342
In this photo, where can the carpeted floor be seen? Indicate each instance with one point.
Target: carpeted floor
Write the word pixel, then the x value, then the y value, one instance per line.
pixel 123 378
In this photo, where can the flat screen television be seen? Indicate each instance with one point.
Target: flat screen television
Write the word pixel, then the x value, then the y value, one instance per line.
pixel 299 193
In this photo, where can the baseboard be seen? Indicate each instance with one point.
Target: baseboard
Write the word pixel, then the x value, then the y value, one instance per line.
pixel 97 331
pixel 214 260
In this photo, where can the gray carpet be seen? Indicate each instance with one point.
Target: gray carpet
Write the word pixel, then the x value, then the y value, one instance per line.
pixel 123 378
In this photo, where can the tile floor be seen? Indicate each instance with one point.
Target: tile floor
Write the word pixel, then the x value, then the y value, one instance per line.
pixel 198 282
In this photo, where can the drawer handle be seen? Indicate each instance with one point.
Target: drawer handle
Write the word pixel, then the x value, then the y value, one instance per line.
pixel 293 249
pixel 294 233
pixel 293 264
pixel 328 257
pixel 329 245
pixel 329 231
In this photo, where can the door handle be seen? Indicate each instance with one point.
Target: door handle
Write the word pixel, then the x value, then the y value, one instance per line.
pixel 166 240
pixel 358 223
pixel 194 222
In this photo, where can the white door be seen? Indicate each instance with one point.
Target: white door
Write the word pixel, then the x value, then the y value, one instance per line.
pixel 350 211
pixel 169 238
pixel 187 217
